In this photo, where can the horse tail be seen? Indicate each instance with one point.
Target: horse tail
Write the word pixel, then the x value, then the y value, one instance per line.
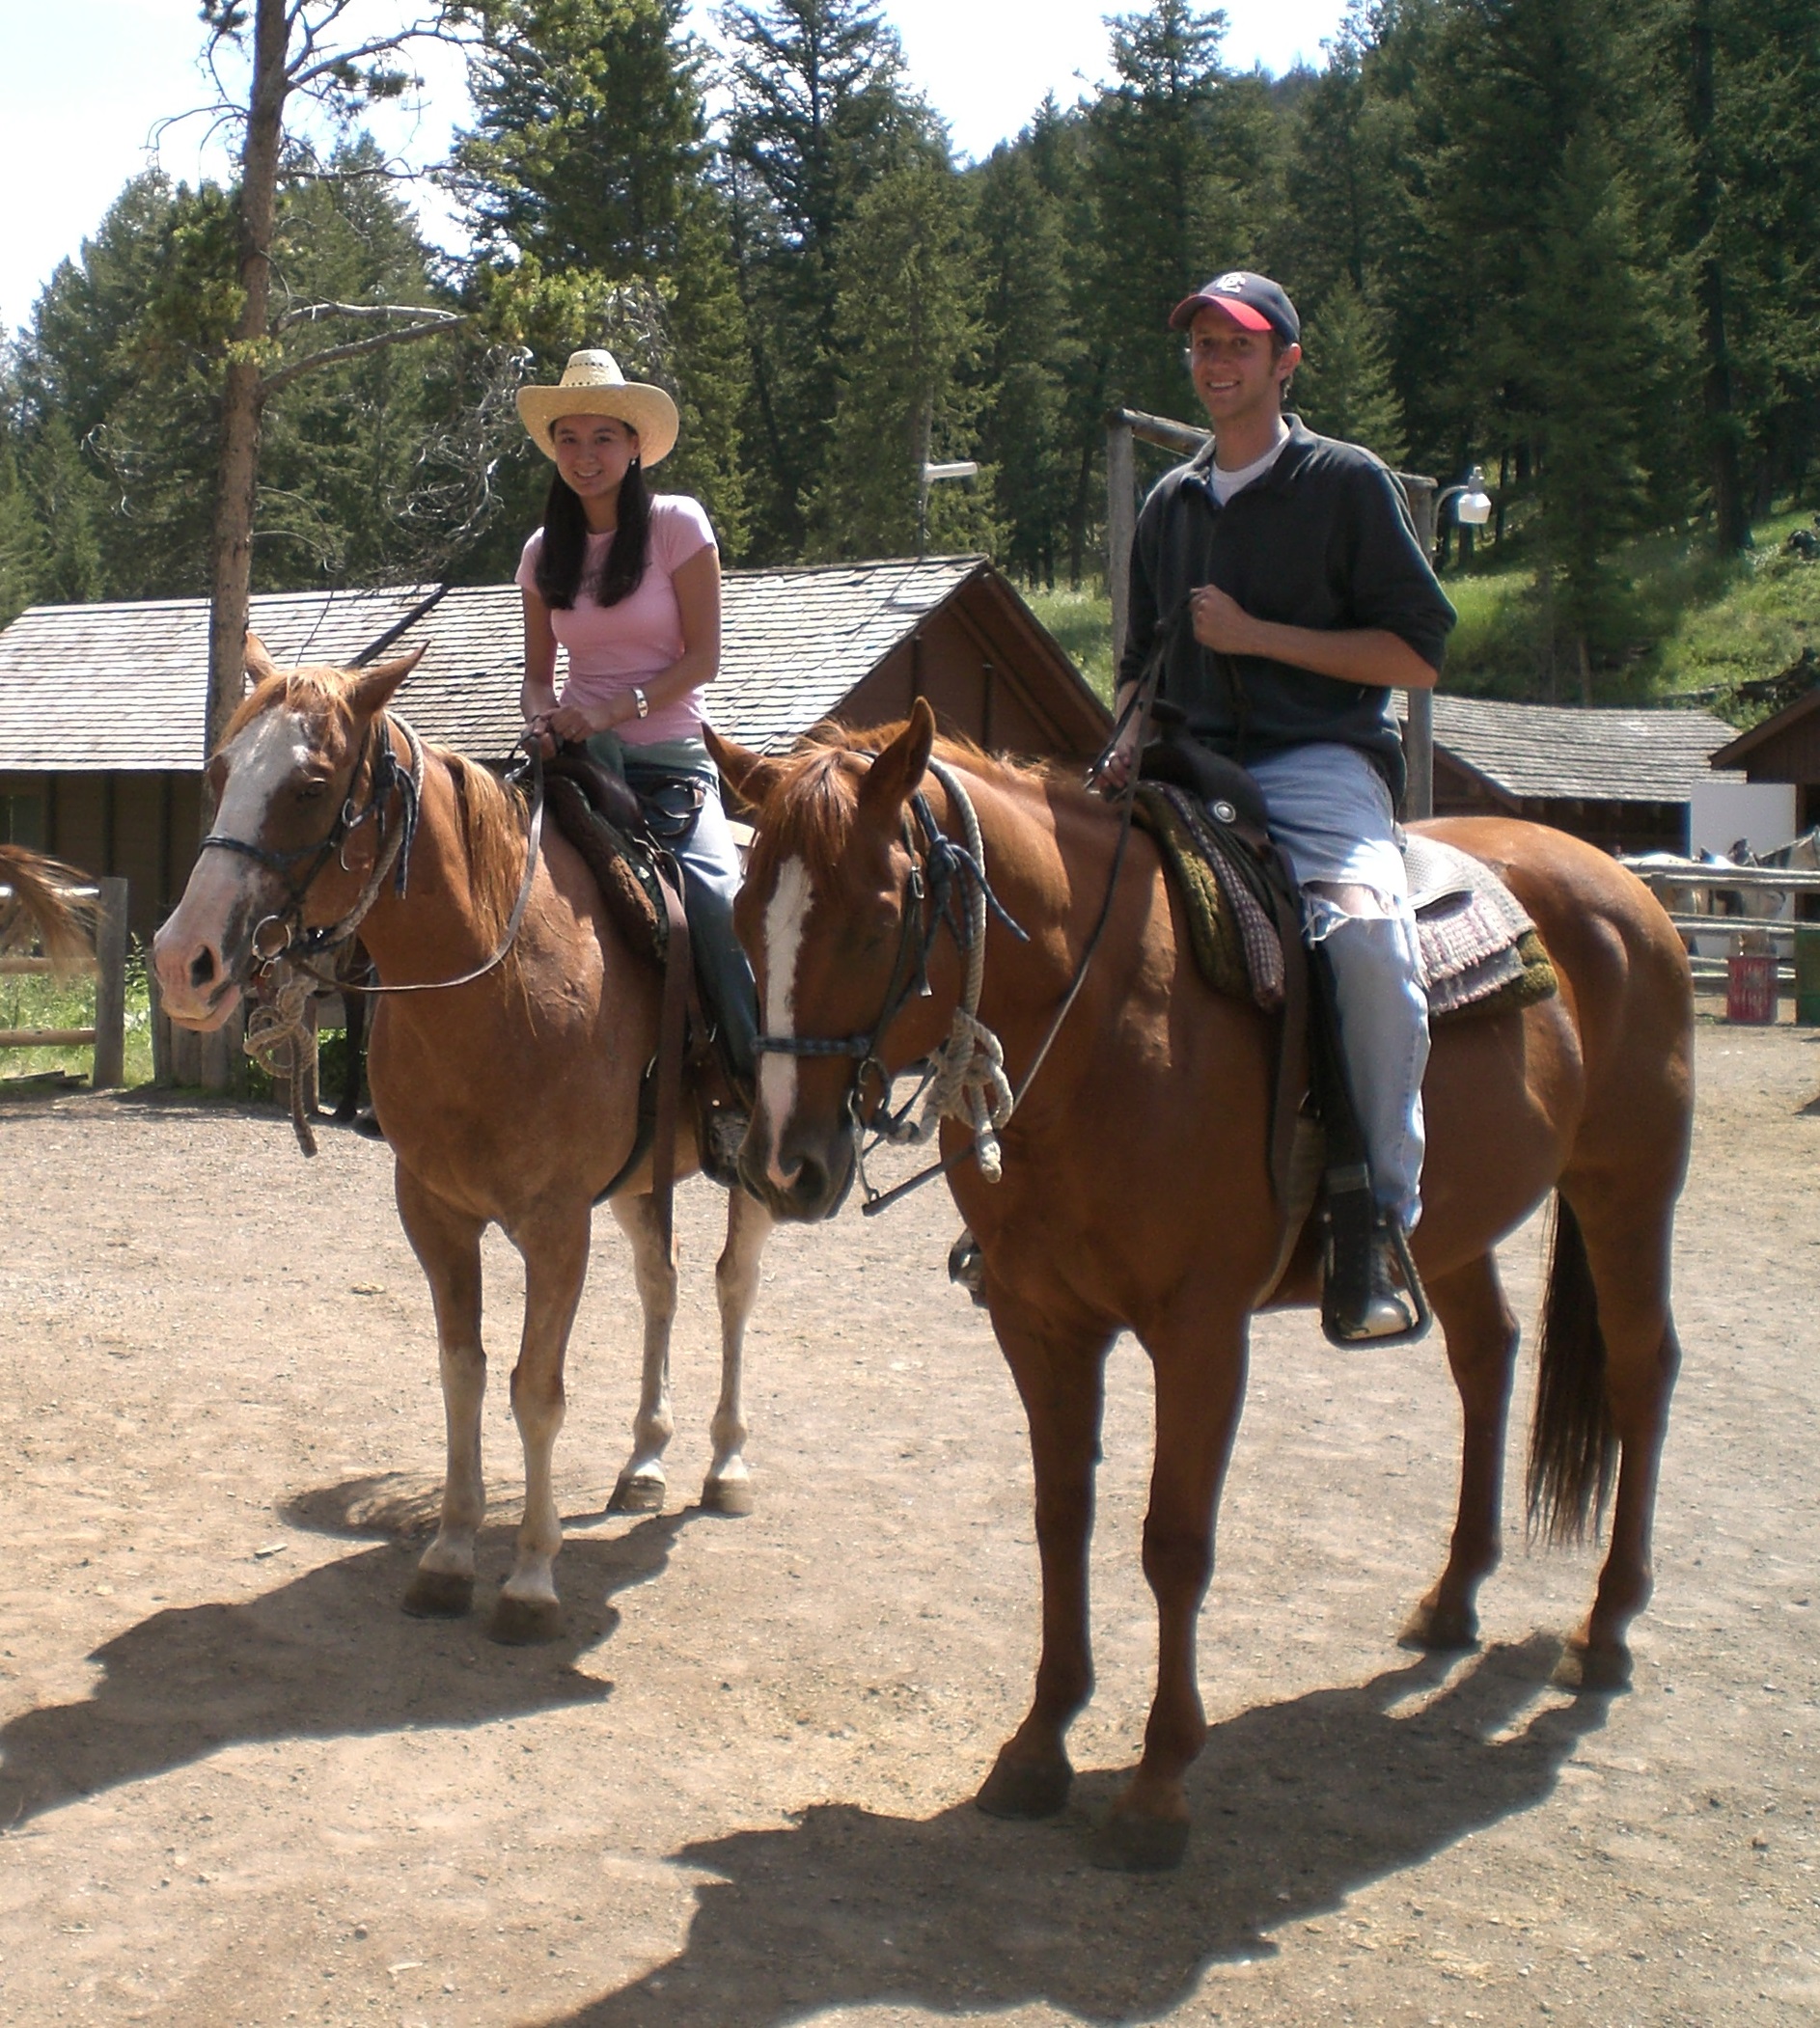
pixel 1573 1447
pixel 40 904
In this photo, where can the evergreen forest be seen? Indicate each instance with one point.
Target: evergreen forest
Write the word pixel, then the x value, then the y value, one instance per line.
pixel 1573 242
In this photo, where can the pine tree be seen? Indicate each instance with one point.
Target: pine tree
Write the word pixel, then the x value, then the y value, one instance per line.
pixel 906 326
pixel 1032 346
pixel 590 157
pixel 819 113
pixel 24 544
pixel 1176 143
pixel 1592 396
pixel 1754 230
pixel 1342 386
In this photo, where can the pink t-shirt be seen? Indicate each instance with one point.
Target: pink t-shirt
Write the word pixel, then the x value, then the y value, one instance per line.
pixel 614 648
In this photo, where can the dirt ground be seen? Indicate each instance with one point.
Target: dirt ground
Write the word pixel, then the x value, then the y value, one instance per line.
pixel 238 1786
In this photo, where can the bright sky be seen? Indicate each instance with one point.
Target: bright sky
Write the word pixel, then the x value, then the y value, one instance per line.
pixel 77 122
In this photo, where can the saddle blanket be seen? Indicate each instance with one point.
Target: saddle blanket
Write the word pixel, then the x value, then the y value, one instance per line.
pixel 1480 952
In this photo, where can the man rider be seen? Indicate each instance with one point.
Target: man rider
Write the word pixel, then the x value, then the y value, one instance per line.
pixel 1309 601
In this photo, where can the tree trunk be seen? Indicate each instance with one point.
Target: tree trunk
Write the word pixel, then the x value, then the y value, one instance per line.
pixel 238 486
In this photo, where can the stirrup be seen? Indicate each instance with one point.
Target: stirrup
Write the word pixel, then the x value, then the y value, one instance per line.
pixel 967 1267
pixel 1372 1294
pixel 724 1127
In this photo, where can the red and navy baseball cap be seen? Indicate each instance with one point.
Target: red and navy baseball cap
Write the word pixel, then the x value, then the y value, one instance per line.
pixel 1254 302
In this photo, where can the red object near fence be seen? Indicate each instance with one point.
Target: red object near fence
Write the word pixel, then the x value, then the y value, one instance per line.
pixel 1751 988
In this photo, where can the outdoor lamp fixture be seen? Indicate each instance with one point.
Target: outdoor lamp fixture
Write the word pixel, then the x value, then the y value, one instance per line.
pixel 1473 508
pixel 960 468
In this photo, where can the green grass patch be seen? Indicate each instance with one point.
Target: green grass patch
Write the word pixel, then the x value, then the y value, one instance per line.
pixel 1082 622
pixel 35 1001
pixel 1692 621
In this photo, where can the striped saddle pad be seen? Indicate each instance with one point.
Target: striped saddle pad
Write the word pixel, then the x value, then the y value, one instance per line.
pixel 1480 952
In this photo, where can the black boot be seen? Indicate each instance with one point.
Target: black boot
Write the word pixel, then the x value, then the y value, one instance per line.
pixel 730 1002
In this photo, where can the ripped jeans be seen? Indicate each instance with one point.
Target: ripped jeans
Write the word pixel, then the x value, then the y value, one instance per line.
pixel 1332 817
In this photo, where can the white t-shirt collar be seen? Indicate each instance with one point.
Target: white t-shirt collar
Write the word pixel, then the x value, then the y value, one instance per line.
pixel 1224 484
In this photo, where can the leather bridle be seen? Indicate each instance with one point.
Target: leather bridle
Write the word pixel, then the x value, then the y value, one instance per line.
pixel 283 934
pixel 941 879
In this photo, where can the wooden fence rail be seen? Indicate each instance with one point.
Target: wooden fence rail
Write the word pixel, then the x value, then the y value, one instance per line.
pixel 108 1037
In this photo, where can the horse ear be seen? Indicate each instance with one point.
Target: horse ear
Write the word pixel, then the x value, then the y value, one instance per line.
pixel 372 691
pixel 896 774
pixel 749 775
pixel 258 664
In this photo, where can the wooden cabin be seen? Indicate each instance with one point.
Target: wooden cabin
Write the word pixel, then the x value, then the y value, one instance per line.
pixel 1622 780
pixel 103 707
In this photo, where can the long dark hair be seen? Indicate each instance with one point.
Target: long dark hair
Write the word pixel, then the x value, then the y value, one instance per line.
pixel 565 548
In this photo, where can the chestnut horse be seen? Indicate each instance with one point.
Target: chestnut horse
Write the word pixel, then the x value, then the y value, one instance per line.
pixel 1136 1192
pixel 510 1099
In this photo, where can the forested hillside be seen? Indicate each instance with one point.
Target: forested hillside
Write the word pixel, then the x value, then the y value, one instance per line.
pixel 1574 241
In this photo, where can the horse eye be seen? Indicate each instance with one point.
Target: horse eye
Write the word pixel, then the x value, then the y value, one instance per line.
pixel 312 791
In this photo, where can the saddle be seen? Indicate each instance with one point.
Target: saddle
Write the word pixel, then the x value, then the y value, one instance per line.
pixel 1480 954
pixel 622 843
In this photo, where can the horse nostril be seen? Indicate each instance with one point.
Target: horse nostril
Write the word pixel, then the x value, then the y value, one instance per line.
pixel 202 967
pixel 810 1184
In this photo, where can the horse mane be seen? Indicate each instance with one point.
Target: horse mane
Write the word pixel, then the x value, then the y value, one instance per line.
pixel 314 691
pixel 814 795
pixel 41 906
pixel 492 818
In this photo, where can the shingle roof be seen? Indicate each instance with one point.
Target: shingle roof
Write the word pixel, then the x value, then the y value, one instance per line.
pixel 794 642
pixel 125 686
pixel 1589 751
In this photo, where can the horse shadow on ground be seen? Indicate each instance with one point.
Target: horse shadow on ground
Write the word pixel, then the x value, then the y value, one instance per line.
pixel 1296 1804
pixel 320 1658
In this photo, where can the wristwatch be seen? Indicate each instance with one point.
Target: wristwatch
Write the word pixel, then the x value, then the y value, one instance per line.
pixel 642 704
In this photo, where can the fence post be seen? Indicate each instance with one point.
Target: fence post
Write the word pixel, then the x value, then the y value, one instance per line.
pixel 1122 520
pixel 163 1074
pixel 223 1060
pixel 110 986
pixel 1418 737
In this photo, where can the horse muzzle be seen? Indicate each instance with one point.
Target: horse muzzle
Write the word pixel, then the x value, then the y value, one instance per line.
pixel 199 973
pixel 806 1179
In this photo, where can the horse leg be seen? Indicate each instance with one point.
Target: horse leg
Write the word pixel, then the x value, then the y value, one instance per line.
pixel 1481 1336
pixel 727 1486
pixel 1627 1247
pixel 554 1253
pixel 1199 1386
pixel 447 1243
pixel 354 1038
pixel 1062 1387
pixel 642 1485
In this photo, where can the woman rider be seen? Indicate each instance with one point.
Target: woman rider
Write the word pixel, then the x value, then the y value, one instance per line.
pixel 628 580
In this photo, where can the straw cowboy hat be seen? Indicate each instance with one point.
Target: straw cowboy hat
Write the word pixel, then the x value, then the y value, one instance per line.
pixel 593 385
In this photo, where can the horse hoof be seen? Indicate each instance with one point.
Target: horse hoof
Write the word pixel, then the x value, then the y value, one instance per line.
pixel 524 1623
pixel 1025 1789
pixel 1596 1669
pixel 637 1493
pixel 439 1595
pixel 732 1497
pixel 1435 1630
pixel 1127 1842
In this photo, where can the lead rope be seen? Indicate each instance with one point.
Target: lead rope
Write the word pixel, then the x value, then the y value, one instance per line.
pixel 277 1034
pixel 968 1082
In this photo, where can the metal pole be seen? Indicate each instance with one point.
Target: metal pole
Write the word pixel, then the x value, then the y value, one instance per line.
pixel 1418 735
pixel 1122 520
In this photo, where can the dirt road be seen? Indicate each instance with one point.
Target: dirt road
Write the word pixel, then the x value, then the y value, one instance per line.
pixel 239 1787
